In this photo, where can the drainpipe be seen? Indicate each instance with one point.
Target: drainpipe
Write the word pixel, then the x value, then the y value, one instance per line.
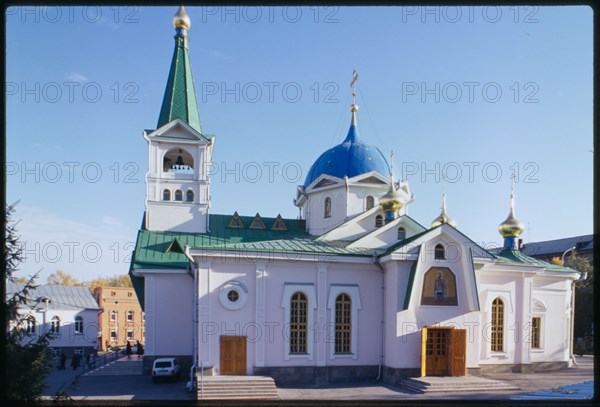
pixel 582 277
pixel 382 271
pixel 195 355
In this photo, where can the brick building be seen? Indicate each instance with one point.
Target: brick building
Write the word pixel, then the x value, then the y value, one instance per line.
pixel 121 318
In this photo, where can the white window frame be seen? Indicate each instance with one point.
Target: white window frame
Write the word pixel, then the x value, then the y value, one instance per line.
pixel 353 291
pixel 237 287
pixel 127 314
pixel 116 337
pixel 78 325
pixel 538 311
pixel 116 316
pixel 55 327
pixel 307 289
pixel 30 325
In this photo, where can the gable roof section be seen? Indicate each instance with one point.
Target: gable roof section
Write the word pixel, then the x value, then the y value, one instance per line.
pixel 187 132
pixel 518 257
pixel 61 297
pixel 401 220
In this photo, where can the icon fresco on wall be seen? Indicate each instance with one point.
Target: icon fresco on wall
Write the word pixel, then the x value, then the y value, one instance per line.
pixel 439 287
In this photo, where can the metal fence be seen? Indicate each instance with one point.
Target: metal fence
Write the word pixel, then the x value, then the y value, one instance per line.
pixel 96 362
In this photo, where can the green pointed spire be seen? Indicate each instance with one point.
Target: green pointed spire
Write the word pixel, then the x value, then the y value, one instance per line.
pixel 180 95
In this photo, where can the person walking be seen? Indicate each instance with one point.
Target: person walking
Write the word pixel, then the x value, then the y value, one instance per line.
pixel 140 350
pixel 75 362
pixel 63 361
pixel 128 350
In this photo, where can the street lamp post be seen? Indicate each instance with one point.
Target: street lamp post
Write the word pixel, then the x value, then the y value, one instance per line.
pixel 582 277
pixel 562 258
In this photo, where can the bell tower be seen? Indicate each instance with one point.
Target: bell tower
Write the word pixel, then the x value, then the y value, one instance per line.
pixel 177 183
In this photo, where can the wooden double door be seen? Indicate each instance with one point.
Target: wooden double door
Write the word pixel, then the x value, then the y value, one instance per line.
pixel 233 355
pixel 443 352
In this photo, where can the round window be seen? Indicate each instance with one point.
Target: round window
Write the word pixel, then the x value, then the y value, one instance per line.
pixel 233 295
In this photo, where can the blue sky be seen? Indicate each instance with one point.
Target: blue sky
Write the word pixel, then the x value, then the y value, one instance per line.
pixel 470 93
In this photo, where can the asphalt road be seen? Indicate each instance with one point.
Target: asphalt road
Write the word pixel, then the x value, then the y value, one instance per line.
pixel 141 387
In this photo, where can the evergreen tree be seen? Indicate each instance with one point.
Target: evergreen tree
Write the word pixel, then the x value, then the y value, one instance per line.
pixel 27 360
pixel 584 296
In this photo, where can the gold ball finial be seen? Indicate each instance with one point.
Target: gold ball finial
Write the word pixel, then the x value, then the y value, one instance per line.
pixel 443 218
pixel 392 200
pixel 181 20
pixel 511 227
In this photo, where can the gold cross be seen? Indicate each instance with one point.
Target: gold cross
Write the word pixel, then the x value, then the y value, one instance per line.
pixel 353 85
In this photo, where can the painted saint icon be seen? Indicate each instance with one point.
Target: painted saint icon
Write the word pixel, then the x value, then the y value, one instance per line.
pixel 439 287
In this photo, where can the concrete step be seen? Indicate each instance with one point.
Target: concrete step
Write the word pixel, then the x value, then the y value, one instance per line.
pixel 466 384
pixel 118 368
pixel 237 388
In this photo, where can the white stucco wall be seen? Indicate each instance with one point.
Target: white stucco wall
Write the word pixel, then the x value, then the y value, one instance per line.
pixel 263 318
pixel 66 337
pixel 169 314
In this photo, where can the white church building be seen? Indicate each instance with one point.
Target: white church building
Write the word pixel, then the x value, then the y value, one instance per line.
pixel 353 290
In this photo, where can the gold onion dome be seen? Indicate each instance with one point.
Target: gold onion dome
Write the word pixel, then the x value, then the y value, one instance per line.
pixel 511 227
pixel 181 20
pixel 392 200
pixel 443 218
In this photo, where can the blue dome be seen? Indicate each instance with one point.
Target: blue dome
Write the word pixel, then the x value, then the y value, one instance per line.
pixel 351 158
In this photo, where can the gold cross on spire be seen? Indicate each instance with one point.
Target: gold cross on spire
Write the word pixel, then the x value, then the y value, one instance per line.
pixel 353 85
pixel 512 183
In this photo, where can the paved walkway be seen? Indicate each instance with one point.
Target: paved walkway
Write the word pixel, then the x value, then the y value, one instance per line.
pixel 141 387
pixel 61 380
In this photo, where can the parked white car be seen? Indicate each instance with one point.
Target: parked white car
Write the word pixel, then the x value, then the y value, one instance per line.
pixel 166 368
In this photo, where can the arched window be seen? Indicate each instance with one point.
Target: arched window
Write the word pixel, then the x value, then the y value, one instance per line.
pixel 327 208
pixel 497 325
pixel 166 195
pixel 129 315
pixel 189 196
pixel 113 315
pixel 439 253
pixel 378 221
pixel 343 324
pixel 298 322
pixel 78 325
pixel 178 161
pixel 370 202
pixel 536 332
pixel 30 325
pixel 401 233
pixel 179 195
pixel 55 327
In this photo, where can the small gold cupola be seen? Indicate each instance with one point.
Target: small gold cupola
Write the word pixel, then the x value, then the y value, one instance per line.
pixel 443 218
pixel 181 21
pixel 511 228
pixel 392 201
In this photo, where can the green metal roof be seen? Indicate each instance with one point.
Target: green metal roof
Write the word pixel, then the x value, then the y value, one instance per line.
pixel 152 246
pixel 180 94
pixel 295 246
pixel 509 256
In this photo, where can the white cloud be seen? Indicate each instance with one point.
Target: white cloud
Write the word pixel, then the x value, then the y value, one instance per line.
pixel 86 250
pixel 76 77
pixel 112 221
